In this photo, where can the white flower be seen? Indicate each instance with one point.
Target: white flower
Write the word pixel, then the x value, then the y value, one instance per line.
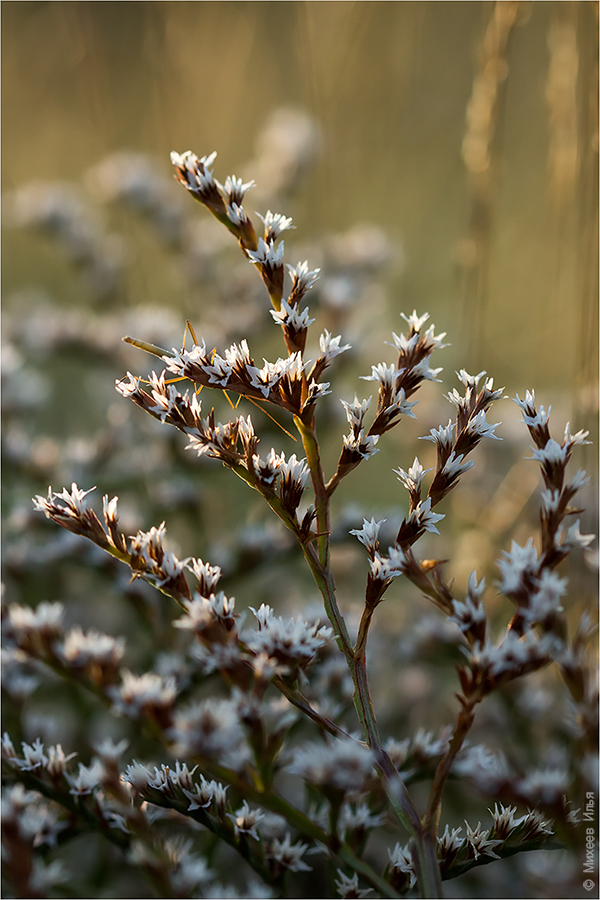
pixel 236 214
pixel 127 389
pixel 543 786
pixel 330 346
pixel 201 796
pixel 478 427
pixel 401 859
pixel 292 317
pixel 75 504
pixel 369 533
pixel 413 478
pixel 578 438
pixel 245 820
pixel 302 277
pixel 33 756
pixel 288 855
pixel 87 779
pixel 137 775
pixel 348 887
pixel 450 842
pixel 441 436
pixel 519 565
pixel 385 375
pixel 390 566
pixel 193 171
pixel 468 615
pixel 267 253
pixel 531 417
pixel 360 816
pixel 46 618
pixel 140 691
pixel 219 371
pixel 271 373
pixel 287 640
pixel 79 649
pixel 358 443
pixel 454 465
pixel 274 224
pixel 355 412
pixel 343 764
pixel 424 370
pixel 480 842
pixel 401 404
pixel 423 517
pixel 294 470
pixel 210 728
pixel 201 612
pixel 206 575
pixel 235 189
pixel 573 538
pixel 545 600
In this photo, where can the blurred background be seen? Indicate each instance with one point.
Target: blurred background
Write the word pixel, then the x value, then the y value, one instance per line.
pixel 437 156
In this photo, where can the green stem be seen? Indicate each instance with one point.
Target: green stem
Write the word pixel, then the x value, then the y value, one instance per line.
pixel 434 804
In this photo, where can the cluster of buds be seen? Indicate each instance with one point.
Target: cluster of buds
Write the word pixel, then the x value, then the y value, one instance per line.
pixel 39 633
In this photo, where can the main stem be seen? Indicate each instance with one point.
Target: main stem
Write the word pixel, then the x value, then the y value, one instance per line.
pixel 424 845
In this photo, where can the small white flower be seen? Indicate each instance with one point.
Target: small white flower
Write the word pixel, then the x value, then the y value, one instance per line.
pixel 531 417
pixel 46 618
pixel 87 779
pixel 274 224
pixel 412 479
pixel 267 253
pixel 390 566
pixel 34 756
pixel 295 470
pixel 543 786
pixel 330 346
pixel 480 842
pixel 127 388
pixel 236 214
pixel 424 370
pixel 201 796
pixel 385 375
pixel 219 371
pixel 414 321
pixel 348 887
pixel 140 691
pixel 454 465
pixel 288 855
pixel 343 764
pixel 292 641
pixel 292 317
pixel 545 600
pixel 518 565
pixel 137 775
pixel 478 427
pixel 355 412
pixel 423 517
pixel 442 436
pixel 401 859
pixel 571 439
pixel 245 820
pixel 358 443
pixel 369 533
pixel 573 538
pixel 206 575
pixel 235 189
pixel 302 277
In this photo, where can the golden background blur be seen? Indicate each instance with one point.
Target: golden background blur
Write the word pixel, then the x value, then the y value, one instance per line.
pixel 466 131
